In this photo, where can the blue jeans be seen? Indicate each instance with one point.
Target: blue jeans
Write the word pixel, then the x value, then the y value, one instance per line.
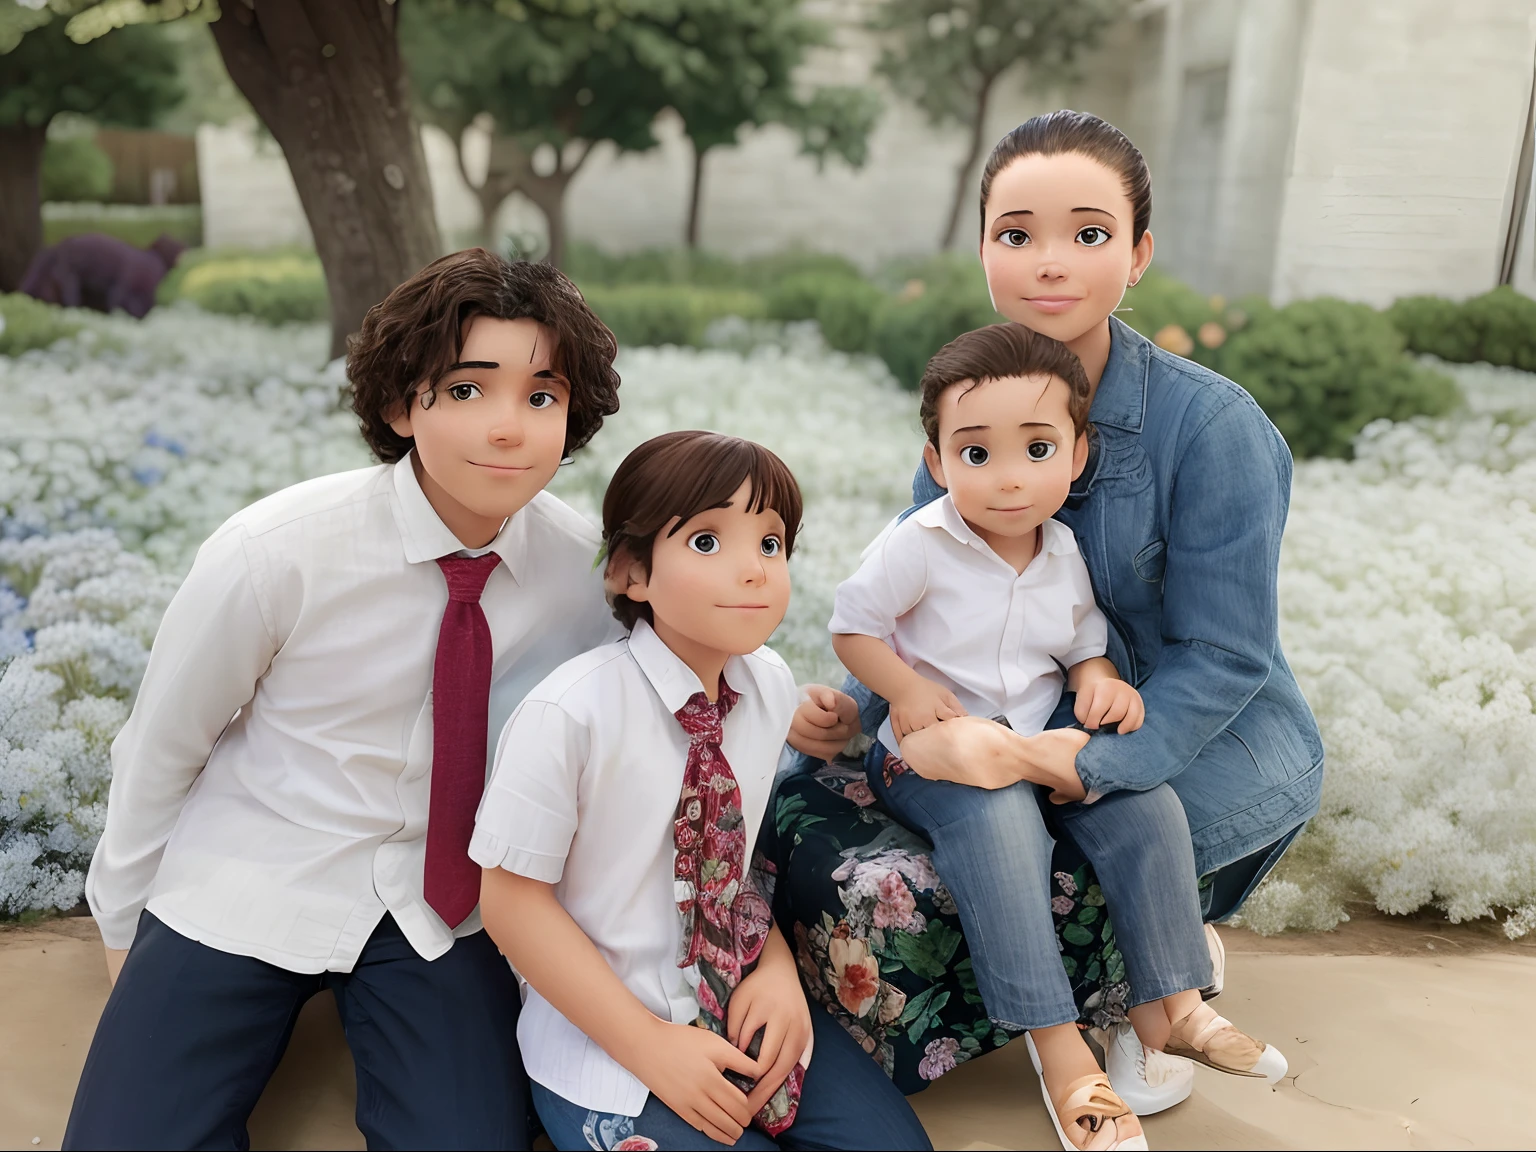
pixel 191 1035
pixel 847 1102
pixel 992 848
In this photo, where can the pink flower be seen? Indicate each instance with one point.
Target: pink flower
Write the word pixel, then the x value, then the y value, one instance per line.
pixel 859 792
pixel 636 1144
pixel 938 1058
pixel 1068 885
pixel 896 902
pixel 1062 905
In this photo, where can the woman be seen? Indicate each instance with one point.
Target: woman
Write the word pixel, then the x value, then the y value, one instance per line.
pixel 1178 514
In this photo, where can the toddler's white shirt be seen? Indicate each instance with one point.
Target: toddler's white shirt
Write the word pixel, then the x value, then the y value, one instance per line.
pixel 959 615
pixel 583 796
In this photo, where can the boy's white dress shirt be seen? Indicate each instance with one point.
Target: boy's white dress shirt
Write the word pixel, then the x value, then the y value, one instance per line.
pixel 270 790
pixel 583 796
pixel 959 615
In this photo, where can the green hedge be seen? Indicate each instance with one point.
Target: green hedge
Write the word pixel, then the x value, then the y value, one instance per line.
pixel 139 224
pixel 846 307
pixel 933 301
pixel 587 264
pixel 75 169
pixel 1498 326
pixel 27 323
pixel 653 314
pixel 1323 369
pixel 279 287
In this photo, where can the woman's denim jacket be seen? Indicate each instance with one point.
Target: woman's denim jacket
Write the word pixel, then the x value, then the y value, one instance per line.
pixel 1179 515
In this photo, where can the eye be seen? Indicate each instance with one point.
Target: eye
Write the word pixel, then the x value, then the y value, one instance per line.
pixel 464 391
pixel 541 399
pixel 1092 236
pixel 1041 450
pixel 772 545
pixel 975 455
pixel 1014 237
pixel 704 543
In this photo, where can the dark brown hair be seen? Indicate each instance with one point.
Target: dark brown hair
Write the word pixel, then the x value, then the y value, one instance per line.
pixel 1055 133
pixel 418 329
pixel 997 352
pixel 680 474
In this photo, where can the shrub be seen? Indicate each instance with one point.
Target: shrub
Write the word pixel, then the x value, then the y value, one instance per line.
pixel 587 264
pixel 139 224
pixel 279 287
pixel 1323 369
pixel 655 314
pixel 844 306
pixel 1498 326
pixel 927 314
pixel 75 169
pixel 27 323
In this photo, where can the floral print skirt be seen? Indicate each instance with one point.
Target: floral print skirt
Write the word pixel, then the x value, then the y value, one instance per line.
pixel 878 938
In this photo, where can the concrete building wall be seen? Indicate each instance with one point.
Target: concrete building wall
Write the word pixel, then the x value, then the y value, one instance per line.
pixel 1407 135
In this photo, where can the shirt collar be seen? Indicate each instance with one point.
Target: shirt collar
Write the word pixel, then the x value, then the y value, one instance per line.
pixel 427 538
pixel 1055 537
pixel 673 680
pixel 1121 398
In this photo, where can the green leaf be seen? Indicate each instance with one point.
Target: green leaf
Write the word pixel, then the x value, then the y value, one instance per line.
pixel 1077 934
pixel 1094 896
pixel 1115 971
pixel 1088 915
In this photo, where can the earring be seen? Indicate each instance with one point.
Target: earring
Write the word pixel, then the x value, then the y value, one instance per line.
pixel 564 460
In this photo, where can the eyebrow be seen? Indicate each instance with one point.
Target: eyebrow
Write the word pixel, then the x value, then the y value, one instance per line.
pixel 1028 212
pixel 988 427
pixel 472 364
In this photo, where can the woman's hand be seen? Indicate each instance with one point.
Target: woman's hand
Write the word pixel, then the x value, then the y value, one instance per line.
pixel 683 1067
pixel 771 999
pixel 922 704
pixel 824 722
pixel 1110 701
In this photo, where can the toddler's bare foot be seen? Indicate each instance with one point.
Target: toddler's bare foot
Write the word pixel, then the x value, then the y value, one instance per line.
pixel 1216 1042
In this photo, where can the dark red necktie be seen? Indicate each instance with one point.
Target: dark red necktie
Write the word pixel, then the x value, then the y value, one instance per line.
pixel 461 691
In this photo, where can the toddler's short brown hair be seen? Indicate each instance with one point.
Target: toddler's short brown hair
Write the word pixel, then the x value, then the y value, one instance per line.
pixel 418 329
pixel 680 474
pixel 997 352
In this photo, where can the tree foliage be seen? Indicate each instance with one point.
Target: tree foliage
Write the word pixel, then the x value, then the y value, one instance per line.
pixel 947 56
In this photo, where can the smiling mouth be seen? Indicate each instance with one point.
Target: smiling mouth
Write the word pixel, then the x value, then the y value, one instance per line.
pixel 1053 303
pixel 508 469
pixel 1020 508
pixel 744 607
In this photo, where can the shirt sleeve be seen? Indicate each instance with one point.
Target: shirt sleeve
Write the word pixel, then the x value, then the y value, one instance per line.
pixel 528 814
pixel 213 645
pixel 1090 632
pixel 889 581
pixel 1221 610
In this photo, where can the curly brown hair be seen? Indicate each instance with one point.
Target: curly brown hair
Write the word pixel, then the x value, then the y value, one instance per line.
pixel 997 352
pixel 680 474
pixel 416 332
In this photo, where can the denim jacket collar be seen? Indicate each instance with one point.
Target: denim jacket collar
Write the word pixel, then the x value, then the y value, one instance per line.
pixel 1121 398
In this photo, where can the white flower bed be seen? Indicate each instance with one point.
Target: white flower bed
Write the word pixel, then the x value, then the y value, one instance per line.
pixel 1409 578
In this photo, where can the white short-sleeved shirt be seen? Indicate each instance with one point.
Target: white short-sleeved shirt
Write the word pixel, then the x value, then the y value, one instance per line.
pixel 959 615
pixel 583 796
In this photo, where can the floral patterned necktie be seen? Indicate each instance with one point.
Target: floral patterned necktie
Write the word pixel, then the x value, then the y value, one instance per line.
pixel 725 918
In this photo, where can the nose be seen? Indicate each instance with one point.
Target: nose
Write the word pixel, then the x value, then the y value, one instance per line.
pixel 752 570
pixel 507 431
pixel 1051 269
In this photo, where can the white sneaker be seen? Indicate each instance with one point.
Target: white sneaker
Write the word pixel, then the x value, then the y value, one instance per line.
pixel 1147 1080
pixel 1218 963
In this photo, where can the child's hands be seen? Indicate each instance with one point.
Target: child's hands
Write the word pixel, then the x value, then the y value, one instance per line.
pixel 824 722
pixel 683 1068
pixel 922 705
pixel 770 999
pixel 1110 701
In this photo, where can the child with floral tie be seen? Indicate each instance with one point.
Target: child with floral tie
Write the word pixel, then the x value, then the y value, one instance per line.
pixel 664 1008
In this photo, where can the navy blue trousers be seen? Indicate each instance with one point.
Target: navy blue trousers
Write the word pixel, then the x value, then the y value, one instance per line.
pixel 847 1101
pixel 191 1035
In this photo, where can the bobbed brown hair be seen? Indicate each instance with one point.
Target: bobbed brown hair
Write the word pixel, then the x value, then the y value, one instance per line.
pixel 997 352
pixel 416 332
pixel 676 476
pixel 1055 133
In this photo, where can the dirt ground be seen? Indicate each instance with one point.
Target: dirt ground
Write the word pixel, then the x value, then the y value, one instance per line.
pixel 1396 1029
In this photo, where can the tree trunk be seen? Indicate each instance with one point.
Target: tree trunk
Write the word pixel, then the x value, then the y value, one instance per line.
pixel 972 154
pixel 21 212
pixel 548 195
pixel 326 78
pixel 512 164
pixel 695 194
